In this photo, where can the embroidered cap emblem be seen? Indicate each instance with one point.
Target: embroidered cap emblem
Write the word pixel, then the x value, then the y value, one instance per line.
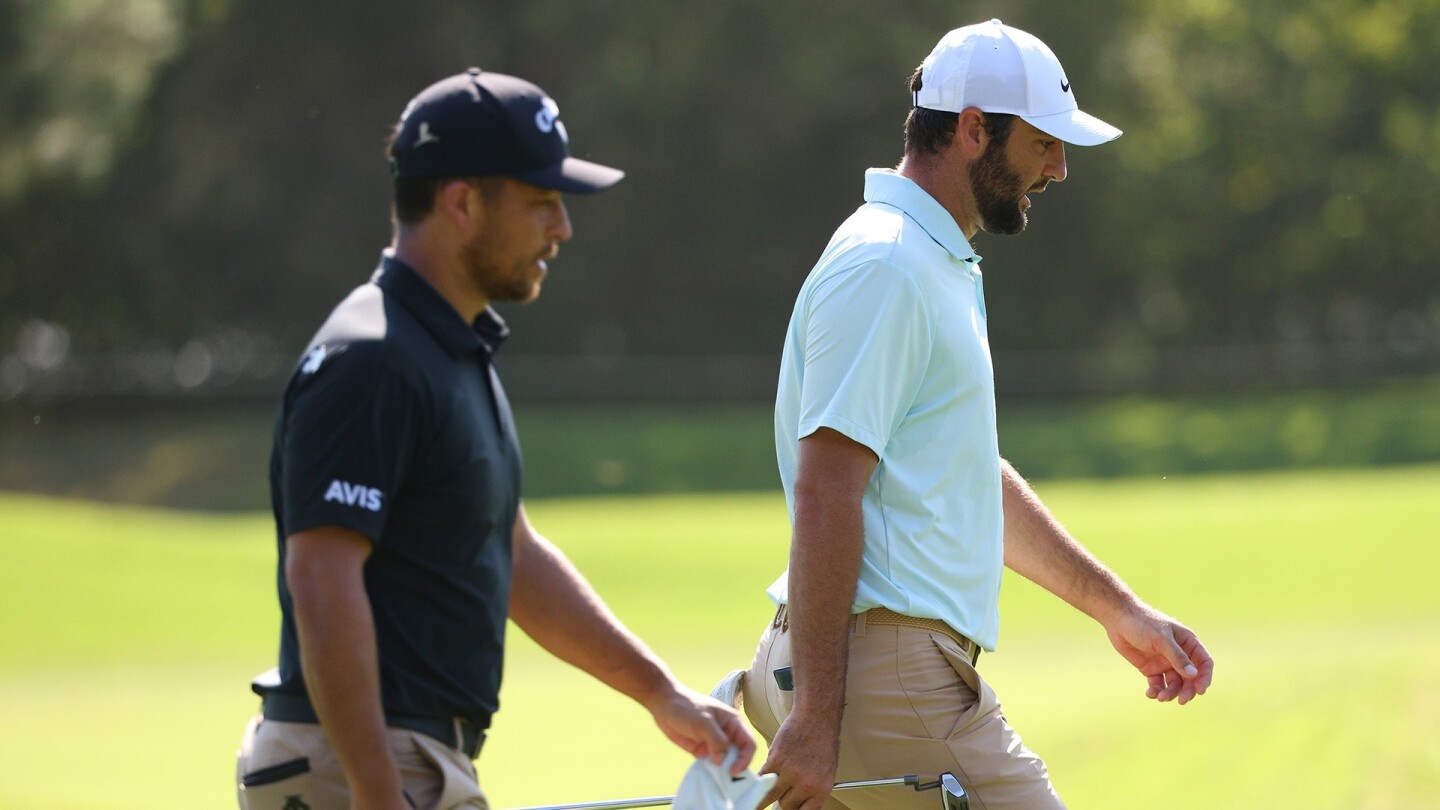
pixel 547 118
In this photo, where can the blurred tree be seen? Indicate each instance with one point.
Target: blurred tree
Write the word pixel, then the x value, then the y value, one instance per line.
pixel 1275 182
pixel 73 77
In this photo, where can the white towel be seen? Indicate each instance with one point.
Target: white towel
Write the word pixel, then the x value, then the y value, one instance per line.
pixel 708 786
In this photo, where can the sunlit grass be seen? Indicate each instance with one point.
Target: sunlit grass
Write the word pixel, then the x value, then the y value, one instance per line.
pixel 133 633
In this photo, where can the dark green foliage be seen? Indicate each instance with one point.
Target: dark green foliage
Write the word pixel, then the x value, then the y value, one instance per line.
pixel 215 457
pixel 1275 181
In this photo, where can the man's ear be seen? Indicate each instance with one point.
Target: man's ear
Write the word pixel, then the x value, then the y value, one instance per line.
pixel 970 134
pixel 460 205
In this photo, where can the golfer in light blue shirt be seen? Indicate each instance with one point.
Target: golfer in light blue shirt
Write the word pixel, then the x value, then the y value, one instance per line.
pixel 904 512
pixel 887 346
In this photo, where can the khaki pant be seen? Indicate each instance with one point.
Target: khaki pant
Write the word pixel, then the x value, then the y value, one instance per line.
pixel 290 766
pixel 913 705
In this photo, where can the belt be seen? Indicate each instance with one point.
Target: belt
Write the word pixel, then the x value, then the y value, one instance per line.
pixel 882 615
pixel 460 733
pixel 885 616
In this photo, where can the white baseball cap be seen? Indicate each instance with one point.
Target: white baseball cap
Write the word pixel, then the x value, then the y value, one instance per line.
pixel 1001 69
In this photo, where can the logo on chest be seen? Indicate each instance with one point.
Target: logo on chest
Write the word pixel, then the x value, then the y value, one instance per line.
pixel 354 495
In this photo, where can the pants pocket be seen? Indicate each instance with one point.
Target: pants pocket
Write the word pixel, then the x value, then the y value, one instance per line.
pixel 282 786
pixel 985 700
pixel 455 773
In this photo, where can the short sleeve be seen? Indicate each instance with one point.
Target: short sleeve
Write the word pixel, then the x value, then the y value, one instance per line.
pixel 349 434
pixel 866 341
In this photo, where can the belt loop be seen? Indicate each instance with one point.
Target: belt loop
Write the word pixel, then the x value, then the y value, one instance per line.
pixel 782 619
pixel 858 624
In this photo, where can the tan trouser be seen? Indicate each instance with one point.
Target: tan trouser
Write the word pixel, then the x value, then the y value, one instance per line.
pixel 913 705
pixel 435 776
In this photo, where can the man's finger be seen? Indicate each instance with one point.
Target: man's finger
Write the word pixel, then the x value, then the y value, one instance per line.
pixel 739 739
pixel 1154 685
pixel 1176 656
pixel 776 790
pixel 1173 683
pixel 1187 693
pixel 775 794
pixel 816 800
pixel 714 738
pixel 1201 658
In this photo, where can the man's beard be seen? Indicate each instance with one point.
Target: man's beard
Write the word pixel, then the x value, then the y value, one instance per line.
pixel 997 189
pixel 493 280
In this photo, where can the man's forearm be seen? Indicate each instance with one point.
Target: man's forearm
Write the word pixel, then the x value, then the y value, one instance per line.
pixel 824 569
pixel 1038 548
pixel 831 473
pixel 342 675
pixel 554 604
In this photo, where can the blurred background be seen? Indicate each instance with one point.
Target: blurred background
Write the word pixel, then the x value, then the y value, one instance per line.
pixel 1245 282
pixel 188 186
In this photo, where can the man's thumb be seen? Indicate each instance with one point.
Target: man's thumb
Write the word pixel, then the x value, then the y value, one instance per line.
pixel 1177 657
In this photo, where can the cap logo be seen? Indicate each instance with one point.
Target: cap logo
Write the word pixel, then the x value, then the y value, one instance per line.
pixel 547 118
pixel 1064 86
pixel 426 136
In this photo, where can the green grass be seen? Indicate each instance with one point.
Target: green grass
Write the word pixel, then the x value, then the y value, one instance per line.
pixel 127 638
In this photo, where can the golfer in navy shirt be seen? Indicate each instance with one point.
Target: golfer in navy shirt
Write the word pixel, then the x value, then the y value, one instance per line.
pixel 396 483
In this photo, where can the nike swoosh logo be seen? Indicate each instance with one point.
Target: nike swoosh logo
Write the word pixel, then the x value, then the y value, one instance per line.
pixel 1064 87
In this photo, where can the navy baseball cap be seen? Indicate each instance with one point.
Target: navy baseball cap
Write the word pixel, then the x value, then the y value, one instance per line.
pixel 478 123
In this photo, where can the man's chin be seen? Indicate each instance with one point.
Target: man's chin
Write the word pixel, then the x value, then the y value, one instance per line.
pixel 518 292
pixel 1009 226
pixel 528 295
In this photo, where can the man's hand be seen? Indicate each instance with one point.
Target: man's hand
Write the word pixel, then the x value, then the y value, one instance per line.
pixel 803 756
pixel 1038 548
pixel 1167 653
pixel 703 726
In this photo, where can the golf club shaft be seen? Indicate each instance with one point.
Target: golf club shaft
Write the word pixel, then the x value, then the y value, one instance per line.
pixel 661 801
pixel 620 804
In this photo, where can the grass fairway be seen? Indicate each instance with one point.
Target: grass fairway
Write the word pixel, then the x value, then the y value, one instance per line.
pixel 127 637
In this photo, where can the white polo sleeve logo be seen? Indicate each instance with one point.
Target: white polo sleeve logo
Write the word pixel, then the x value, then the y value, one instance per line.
pixel 356 495
pixel 313 360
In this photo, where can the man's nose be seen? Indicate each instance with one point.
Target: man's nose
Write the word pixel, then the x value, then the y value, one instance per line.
pixel 1055 163
pixel 560 227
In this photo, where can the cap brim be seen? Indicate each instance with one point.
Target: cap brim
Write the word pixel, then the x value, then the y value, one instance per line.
pixel 1074 127
pixel 573 176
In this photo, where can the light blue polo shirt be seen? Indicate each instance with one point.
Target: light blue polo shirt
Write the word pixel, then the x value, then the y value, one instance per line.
pixel 888 346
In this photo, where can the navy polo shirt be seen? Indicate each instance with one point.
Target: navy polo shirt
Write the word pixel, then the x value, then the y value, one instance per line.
pixel 395 425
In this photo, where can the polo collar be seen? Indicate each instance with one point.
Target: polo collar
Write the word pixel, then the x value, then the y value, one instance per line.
pixel 430 308
pixel 888 188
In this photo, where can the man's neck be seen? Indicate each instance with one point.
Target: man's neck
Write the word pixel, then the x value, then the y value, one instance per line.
pixel 948 184
pixel 442 269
